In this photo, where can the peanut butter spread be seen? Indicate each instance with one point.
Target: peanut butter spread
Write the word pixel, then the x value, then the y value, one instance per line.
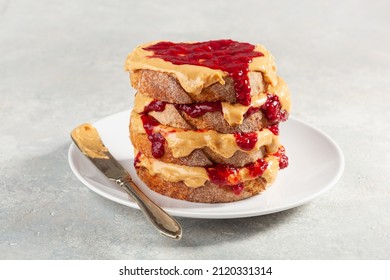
pixel 234 113
pixel 140 102
pixel 184 142
pixel 194 78
pixel 88 140
pixel 197 176
pixel 191 176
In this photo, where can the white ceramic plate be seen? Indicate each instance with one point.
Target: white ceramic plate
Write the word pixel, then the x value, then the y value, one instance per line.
pixel 315 165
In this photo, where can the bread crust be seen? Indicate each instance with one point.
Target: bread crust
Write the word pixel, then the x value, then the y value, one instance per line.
pixel 209 193
pixel 165 87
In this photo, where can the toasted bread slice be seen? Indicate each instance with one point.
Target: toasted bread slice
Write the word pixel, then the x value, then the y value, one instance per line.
pixel 165 87
pixel 172 115
pixel 209 193
pixel 199 157
pixel 216 121
pixel 210 120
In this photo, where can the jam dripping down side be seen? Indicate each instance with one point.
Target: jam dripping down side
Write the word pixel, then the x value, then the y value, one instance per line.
pixel 246 141
pixel 137 160
pixel 282 157
pixel 272 110
pixel 227 55
pixel 274 128
pixel 156 139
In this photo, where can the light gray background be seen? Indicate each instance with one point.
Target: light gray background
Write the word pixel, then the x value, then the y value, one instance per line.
pixel 61 64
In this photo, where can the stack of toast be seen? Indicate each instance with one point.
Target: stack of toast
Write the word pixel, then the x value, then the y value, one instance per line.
pixel 205 122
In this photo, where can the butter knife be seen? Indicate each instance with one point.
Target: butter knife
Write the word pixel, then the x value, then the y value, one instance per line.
pixel 87 139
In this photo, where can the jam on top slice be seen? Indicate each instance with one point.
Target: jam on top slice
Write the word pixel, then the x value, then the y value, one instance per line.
pixel 227 55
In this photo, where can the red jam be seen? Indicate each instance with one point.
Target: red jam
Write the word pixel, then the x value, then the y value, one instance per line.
pixel 195 110
pixel 137 160
pixel 237 189
pixel 155 105
pixel 223 175
pixel 156 139
pixel 251 111
pixel 272 109
pixel 257 168
pixel 246 141
pixel 226 55
pixel 274 128
pixel 226 175
pixel 283 159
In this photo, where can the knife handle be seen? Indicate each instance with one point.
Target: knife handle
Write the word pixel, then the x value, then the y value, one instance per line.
pixel 165 223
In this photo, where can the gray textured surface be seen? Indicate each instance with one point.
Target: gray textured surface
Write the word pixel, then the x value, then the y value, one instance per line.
pixel 61 64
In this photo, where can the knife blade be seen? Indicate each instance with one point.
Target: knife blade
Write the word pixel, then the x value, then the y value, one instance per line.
pixel 88 141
